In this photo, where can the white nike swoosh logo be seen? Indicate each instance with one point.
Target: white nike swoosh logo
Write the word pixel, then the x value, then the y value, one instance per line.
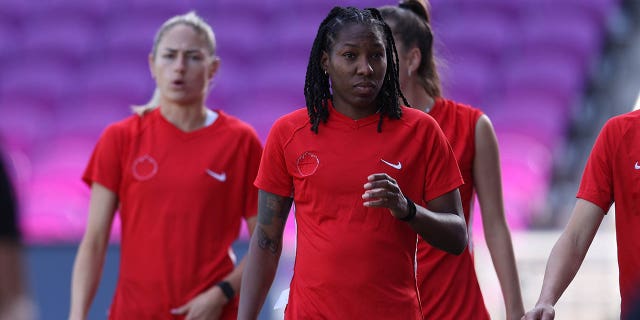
pixel 637 166
pixel 222 177
pixel 393 165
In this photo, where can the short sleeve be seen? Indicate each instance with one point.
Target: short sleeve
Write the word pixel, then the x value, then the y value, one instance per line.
pixel 252 164
pixel 273 175
pixel 596 185
pixel 443 174
pixel 105 164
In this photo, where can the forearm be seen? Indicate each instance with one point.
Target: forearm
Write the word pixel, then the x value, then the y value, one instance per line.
pixel 443 230
pixel 87 271
pixel 262 263
pixel 561 268
pixel 501 250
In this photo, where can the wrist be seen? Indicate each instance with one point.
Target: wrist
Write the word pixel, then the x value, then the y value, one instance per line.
pixel 411 210
pixel 227 289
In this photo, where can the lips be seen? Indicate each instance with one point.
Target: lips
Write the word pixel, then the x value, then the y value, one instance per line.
pixel 365 88
pixel 178 84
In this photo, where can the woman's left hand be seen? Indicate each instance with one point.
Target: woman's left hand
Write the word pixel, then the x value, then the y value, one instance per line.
pixel 382 191
pixel 205 306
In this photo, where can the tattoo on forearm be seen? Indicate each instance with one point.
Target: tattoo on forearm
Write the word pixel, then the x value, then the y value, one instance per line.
pixel 270 206
pixel 266 243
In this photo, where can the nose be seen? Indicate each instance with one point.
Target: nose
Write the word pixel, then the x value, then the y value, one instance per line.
pixel 179 63
pixel 365 67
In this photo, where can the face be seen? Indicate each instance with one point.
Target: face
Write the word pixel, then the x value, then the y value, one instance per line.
pixel 356 65
pixel 183 66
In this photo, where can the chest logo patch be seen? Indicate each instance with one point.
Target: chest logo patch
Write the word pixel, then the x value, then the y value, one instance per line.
pixel 637 166
pixel 307 163
pixel 144 167
pixel 396 166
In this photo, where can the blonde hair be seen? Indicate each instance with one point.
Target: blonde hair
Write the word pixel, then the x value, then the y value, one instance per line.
pixel 200 26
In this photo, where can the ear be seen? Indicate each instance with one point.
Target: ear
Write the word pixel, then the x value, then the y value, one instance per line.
pixel 414 56
pixel 324 61
pixel 151 64
pixel 213 67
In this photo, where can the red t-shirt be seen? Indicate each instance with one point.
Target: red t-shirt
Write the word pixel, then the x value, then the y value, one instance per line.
pixel 448 283
pixel 182 197
pixel 354 262
pixel 612 174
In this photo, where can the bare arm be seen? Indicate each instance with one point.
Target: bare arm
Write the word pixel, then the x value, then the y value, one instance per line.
pixel 87 268
pixel 441 223
pixel 488 185
pixel 236 275
pixel 264 253
pixel 567 256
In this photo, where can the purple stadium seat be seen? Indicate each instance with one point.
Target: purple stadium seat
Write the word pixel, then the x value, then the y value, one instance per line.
pixel 526 171
pixel 13 11
pixel 93 10
pixel 130 37
pixel 485 33
pixel 238 35
pixel 44 80
pixel 58 199
pixel 9 42
pixel 466 78
pixel 119 81
pixel 558 76
pixel 68 39
pixel 24 123
pixel 571 32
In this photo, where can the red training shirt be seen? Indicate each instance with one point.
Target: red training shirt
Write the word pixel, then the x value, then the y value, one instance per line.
pixel 448 283
pixel 182 197
pixel 354 262
pixel 612 174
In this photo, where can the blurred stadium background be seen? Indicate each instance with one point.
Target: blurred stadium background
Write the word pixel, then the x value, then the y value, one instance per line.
pixel 547 72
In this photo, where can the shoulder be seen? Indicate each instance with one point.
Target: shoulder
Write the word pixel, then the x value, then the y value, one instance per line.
pixel 624 121
pixel 235 124
pixel 292 121
pixel 618 126
pixel 462 109
pixel 127 126
pixel 411 116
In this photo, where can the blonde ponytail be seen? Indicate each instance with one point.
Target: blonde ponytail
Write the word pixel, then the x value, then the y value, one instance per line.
pixel 152 104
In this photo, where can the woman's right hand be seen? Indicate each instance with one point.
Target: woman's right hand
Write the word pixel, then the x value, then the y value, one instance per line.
pixel 540 312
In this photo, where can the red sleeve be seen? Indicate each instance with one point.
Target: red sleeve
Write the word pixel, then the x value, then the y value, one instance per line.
pixel 105 165
pixel 273 175
pixel 252 165
pixel 597 184
pixel 443 174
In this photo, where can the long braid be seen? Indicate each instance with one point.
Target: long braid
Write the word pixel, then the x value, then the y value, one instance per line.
pixel 388 103
pixel 317 88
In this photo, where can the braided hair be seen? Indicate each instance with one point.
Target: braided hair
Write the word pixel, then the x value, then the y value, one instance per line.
pixel 412 24
pixel 317 88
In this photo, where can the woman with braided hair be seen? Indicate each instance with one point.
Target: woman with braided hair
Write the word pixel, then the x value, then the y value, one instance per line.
pixel 448 284
pixel 355 164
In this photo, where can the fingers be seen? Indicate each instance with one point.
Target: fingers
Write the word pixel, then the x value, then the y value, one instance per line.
pixel 180 310
pixel 380 176
pixel 381 190
pixel 377 197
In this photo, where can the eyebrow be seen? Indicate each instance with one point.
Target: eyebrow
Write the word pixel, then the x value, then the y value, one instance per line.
pixel 188 51
pixel 380 45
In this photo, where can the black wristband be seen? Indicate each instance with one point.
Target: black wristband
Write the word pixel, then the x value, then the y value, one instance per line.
pixel 412 210
pixel 226 289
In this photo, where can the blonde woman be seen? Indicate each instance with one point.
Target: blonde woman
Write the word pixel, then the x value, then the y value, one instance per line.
pixel 180 190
